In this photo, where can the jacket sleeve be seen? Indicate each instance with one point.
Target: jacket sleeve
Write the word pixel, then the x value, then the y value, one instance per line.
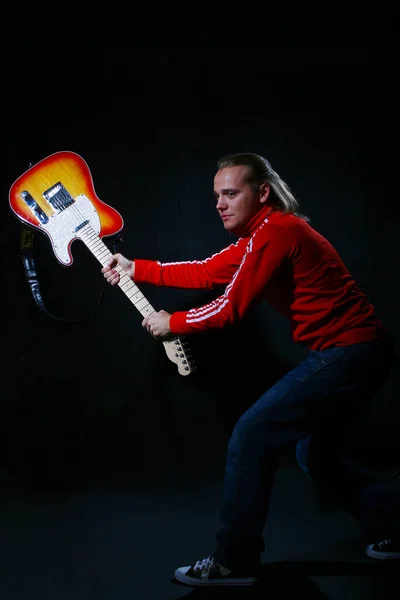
pixel 265 254
pixel 196 274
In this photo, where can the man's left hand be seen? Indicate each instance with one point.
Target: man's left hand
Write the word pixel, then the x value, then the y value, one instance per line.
pixel 157 324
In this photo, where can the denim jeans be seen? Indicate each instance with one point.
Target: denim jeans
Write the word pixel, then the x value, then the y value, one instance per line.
pixel 319 400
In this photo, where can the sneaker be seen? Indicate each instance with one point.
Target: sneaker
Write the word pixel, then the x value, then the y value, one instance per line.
pixel 385 549
pixel 209 572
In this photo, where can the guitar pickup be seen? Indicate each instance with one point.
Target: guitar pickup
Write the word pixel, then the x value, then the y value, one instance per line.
pixel 35 208
pixel 58 197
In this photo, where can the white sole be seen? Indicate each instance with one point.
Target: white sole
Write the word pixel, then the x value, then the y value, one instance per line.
pixel 380 555
pixel 231 581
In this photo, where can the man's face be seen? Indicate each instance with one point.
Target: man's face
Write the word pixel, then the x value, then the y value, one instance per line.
pixel 237 203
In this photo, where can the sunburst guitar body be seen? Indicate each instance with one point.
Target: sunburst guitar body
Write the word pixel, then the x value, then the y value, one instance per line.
pixel 57 197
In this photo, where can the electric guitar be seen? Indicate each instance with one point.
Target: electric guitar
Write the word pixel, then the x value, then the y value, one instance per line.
pixel 57 197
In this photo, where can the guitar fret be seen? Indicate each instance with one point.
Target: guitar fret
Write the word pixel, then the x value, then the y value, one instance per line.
pixel 145 306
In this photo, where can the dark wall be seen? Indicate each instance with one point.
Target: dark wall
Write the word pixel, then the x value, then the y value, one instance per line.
pixel 87 388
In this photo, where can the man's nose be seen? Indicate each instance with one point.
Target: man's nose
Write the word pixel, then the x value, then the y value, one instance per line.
pixel 220 203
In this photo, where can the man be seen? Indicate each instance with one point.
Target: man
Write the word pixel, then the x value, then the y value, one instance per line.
pixel 278 257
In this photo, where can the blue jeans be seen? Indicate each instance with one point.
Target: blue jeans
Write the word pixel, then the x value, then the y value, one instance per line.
pixel 318 400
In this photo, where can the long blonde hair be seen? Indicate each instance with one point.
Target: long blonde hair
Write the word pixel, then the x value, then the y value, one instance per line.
pixel 260 171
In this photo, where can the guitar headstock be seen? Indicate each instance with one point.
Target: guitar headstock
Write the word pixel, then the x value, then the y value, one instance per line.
pixel 178 352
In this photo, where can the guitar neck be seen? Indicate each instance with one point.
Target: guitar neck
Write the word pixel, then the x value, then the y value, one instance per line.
pixel 175 347
pixel 103 254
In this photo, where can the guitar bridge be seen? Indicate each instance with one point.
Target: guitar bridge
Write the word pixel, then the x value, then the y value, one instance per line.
pixel 58 197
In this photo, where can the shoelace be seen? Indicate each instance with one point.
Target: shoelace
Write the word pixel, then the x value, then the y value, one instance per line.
pixel 206 564
pixel 384 544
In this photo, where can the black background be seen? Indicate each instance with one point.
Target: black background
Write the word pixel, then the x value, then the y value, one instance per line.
pixel 87 394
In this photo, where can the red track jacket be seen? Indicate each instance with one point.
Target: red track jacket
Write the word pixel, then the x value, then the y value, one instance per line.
pixel 282 259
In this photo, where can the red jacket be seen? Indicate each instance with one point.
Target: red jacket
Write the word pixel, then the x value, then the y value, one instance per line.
pixel 282 259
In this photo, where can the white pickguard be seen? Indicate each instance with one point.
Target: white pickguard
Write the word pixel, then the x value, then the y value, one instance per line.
pixel 61 226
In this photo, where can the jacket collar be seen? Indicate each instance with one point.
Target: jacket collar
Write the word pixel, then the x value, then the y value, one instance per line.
pixel 254 222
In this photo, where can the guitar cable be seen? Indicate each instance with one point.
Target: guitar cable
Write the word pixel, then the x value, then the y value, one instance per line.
pixel 28 261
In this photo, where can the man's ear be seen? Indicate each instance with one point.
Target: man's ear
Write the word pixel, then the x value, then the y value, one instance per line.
pixel 264 192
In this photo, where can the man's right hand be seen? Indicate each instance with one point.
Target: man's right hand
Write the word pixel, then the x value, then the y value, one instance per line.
pixel 111 271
